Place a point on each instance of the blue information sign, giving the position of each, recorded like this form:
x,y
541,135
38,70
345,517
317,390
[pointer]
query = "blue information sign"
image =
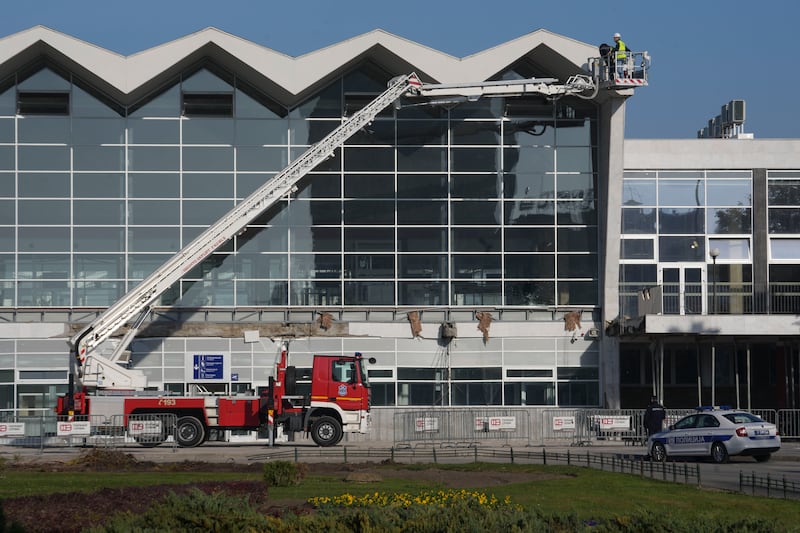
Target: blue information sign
x,y
208,366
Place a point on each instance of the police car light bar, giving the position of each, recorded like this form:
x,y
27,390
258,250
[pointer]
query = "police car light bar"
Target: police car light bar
x,y
713,408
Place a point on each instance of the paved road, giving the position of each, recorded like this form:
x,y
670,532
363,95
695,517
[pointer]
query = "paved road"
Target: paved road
x,y
785,464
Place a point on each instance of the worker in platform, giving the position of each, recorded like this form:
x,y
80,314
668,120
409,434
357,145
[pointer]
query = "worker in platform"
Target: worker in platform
x,y
621,55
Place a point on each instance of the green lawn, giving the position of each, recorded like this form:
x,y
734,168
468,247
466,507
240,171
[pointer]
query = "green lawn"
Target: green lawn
x,y
586,492
16,483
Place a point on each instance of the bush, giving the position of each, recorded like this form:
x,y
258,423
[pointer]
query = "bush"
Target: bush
x,y
198,512
284,473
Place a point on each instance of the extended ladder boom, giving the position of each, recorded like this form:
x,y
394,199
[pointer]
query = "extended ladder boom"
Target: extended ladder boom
x,y
236,220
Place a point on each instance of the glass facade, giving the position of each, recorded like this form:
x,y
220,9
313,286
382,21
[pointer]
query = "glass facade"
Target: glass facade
x,y
488,203
671,220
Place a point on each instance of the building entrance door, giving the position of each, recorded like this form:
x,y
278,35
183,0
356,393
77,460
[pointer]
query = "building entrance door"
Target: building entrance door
x,y
684,289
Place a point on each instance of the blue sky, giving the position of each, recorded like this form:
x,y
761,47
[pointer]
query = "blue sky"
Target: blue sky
x,y
705,52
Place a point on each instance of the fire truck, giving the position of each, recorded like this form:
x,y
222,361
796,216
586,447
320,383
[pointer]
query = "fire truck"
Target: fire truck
x,y
102,384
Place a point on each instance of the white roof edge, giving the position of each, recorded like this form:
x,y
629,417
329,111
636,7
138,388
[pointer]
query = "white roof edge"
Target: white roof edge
x,y
294,74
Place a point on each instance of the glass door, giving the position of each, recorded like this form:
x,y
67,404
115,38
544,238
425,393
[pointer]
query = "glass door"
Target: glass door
x,y
684,289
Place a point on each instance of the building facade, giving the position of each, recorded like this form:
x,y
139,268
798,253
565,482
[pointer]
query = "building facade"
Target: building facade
x,y
489,253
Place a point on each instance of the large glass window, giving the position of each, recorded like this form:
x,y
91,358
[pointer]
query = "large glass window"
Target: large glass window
x,y
490,202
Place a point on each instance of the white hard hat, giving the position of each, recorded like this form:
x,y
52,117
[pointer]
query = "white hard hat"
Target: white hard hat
x,y
617,35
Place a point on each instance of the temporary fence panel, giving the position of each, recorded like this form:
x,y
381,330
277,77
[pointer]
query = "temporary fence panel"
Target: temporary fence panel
x,y
560,426
788,422
461,426
148,430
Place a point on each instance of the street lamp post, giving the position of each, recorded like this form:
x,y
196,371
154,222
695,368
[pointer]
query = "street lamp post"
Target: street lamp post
x,y
714,253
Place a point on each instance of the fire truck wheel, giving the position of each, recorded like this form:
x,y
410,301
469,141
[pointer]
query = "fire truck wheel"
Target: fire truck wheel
x,y
326,431
189,432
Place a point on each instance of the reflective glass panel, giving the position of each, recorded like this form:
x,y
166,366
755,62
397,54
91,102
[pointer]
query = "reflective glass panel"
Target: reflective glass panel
x,y
689,248
638,221
44,212
43,239
369,240
421,186
153,212
143,131
109,158
368,293
475,213
33,129
48,185
638,192
529,240
98,131
730,220
530,266
315,293
534,212
208,131
729,192
681,192
43,157
103,185
529,186
98,239
98,212
422,240
422,293
477,266
681,221
483,240
637,249
422,266
532,293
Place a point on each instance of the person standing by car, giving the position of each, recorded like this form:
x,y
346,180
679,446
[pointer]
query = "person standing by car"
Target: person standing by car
x,y
654,417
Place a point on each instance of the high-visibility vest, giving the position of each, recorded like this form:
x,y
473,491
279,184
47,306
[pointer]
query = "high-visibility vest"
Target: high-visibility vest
x,y
621,51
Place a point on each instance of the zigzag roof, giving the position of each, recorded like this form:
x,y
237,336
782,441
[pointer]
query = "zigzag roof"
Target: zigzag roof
x,y
288,79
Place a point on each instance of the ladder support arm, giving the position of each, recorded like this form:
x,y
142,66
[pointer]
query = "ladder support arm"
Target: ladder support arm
x,y
232,223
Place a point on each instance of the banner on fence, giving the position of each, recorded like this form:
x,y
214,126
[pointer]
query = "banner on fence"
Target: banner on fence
x,y
561,423
612,423
12,429
144,427
426,424
495,423
66,429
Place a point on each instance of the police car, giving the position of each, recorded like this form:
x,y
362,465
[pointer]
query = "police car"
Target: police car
x,y
717,433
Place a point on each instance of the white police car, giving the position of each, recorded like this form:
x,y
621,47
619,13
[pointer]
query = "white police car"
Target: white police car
x,y
718,434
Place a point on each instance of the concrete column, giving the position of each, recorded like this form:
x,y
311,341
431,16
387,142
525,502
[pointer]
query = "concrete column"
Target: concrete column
x,y
612,137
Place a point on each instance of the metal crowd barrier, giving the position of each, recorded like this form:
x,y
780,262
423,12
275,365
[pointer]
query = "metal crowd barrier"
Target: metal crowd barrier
x,y
50,431
461,426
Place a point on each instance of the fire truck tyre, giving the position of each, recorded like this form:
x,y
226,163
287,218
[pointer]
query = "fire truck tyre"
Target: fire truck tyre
x,y
189,432
326,431
719,454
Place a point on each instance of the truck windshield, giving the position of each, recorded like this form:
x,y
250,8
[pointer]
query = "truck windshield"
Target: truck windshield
x,y
362,368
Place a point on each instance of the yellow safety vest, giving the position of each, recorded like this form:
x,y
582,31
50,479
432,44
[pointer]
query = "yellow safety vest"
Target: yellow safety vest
x,y
621,51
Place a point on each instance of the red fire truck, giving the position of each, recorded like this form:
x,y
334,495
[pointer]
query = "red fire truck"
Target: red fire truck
x,y
338,403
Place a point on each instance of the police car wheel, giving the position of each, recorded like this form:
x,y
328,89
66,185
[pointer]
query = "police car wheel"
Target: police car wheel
x,y
719,454
658,452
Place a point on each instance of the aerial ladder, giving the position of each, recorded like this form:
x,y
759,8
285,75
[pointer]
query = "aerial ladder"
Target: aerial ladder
x,y
100,371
